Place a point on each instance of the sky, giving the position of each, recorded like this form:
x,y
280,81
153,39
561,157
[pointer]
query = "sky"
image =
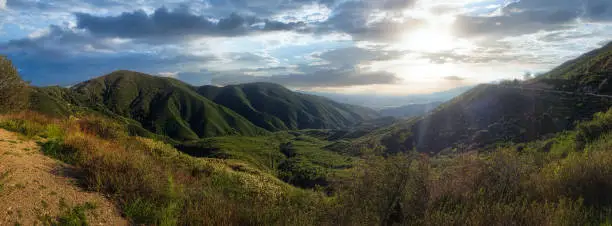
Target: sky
x,y
384,47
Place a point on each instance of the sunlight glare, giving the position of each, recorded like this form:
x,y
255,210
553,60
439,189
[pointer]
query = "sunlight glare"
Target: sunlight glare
x,y
435,36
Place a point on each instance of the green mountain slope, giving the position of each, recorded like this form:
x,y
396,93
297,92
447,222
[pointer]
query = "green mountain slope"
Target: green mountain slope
x,y
169,107
163,106
596,62
274,107
510,113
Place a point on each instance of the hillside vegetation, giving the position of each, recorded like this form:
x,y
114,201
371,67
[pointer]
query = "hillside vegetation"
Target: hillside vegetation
x,y
13,91
274,107
518,153
171,108
512,112
563,180
594,63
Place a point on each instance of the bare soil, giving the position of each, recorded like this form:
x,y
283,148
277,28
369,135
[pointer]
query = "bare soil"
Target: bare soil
x,y
34,187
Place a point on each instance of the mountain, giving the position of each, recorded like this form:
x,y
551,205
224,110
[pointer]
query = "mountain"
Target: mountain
x,y
411,110
275,107
372,100
594,63
169,107
509,113
161,105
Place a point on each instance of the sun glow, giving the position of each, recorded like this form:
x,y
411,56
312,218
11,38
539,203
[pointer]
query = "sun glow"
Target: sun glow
x,y
433,36
429,39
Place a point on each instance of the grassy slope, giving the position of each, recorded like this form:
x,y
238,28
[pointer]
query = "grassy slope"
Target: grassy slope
x,y
287,155
596,62
153,183
172,108
488,114
274,107
162,105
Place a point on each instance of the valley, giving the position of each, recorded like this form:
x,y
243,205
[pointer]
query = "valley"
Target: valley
x,y
164,152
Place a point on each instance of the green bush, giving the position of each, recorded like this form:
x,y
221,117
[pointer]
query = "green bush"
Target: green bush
x,y
592,130
102,127
25,127
75,216
14,92
302,173
57,149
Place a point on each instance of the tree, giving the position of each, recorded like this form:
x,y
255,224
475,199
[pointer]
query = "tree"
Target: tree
x,y
13,90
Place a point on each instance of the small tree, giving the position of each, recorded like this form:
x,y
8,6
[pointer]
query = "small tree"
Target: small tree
x,y
13,90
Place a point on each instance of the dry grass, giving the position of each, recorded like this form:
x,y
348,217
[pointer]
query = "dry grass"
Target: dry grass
x,y
153,183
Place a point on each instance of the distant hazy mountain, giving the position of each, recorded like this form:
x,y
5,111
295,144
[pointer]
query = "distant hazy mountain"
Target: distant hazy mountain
x,y
382,101
410,110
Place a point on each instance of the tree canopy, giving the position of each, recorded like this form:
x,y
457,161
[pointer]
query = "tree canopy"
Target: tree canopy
x,y
13,90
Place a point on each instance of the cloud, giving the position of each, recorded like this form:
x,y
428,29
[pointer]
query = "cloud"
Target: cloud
x,y
586,9
72,69
179,22
2,4
320,78
351,56
63,5
355,19
454,78
62,56
530,16
266,8
58,41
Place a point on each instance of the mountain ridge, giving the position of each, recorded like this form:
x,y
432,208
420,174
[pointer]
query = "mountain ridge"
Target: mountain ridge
x,y
513,112
281,108
172,108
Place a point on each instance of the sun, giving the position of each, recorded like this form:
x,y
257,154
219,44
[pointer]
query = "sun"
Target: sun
x,y
427,40
434,35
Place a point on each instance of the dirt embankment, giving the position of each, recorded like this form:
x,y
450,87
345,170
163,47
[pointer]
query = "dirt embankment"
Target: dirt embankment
x,y
35,188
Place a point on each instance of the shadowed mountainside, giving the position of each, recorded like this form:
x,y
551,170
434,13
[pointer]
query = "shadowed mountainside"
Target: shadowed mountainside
x,y
275,107
510,112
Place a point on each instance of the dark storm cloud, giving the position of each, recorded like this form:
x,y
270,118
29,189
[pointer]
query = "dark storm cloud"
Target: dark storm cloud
x,y
265,8
515,24
57,41
355,55
62,5
63,56
353,18
529,16
175,23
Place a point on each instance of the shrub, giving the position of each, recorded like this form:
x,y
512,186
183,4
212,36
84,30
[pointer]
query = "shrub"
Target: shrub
x,y
581,175
25,127
592,130
102,127
13,91
384,191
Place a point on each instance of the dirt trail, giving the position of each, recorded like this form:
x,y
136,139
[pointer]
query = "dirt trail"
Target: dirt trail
x,y
34,187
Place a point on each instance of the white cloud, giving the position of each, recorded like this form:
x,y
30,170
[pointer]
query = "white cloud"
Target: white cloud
x,y
169,74
426,35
